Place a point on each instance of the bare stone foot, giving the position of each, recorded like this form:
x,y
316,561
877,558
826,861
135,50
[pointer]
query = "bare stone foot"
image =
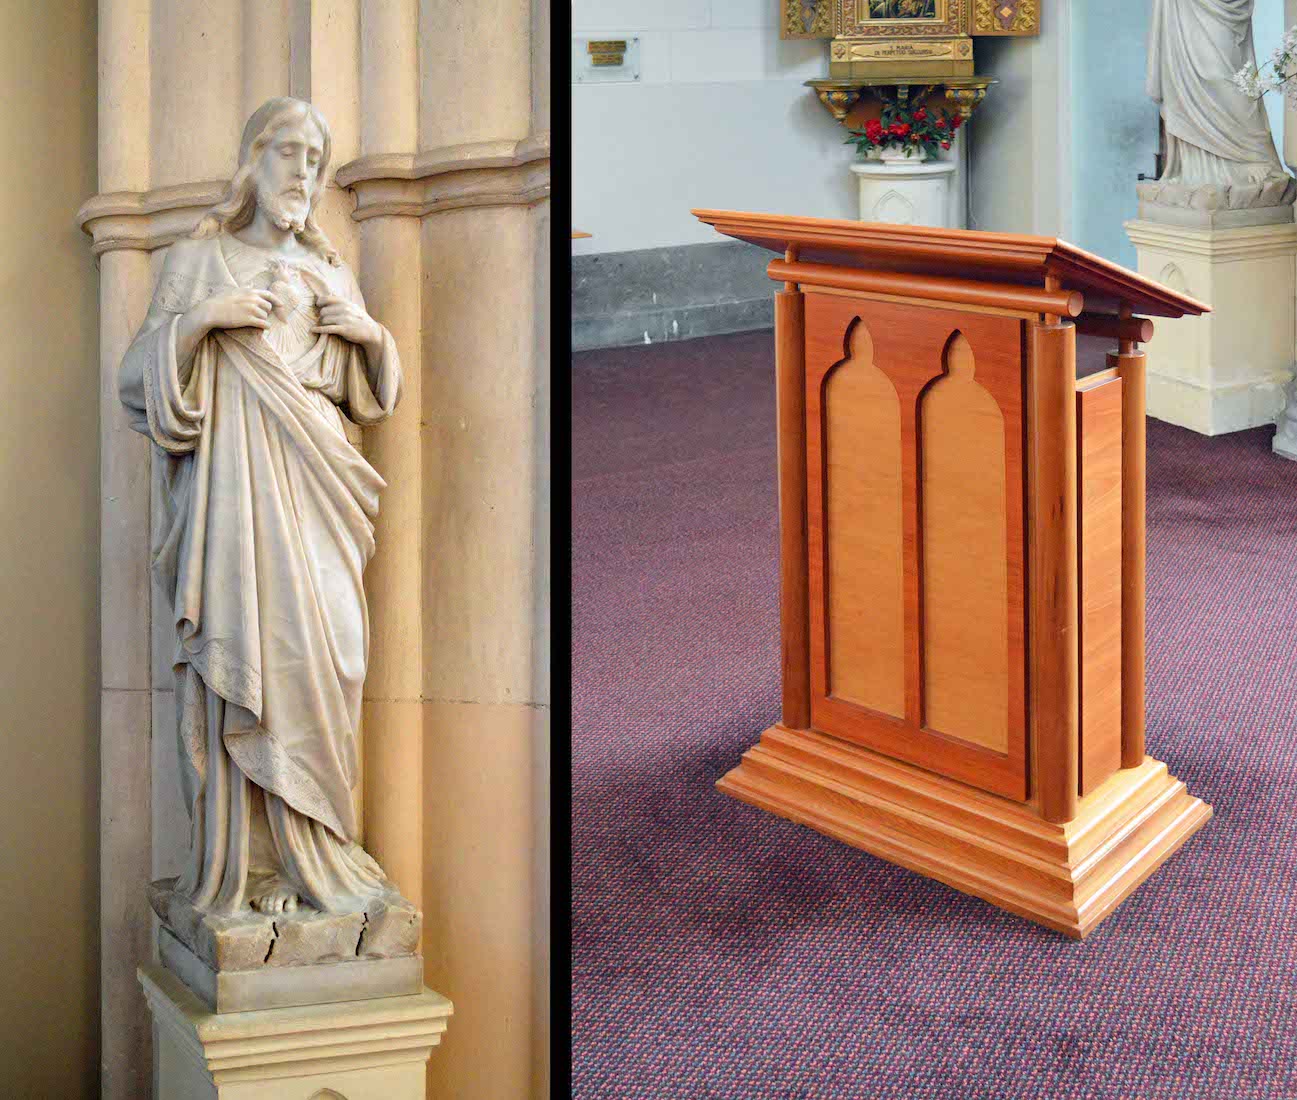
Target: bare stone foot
x,y
276,897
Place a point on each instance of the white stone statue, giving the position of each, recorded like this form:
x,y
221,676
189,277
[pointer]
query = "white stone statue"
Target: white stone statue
x,y
256,345
1219,152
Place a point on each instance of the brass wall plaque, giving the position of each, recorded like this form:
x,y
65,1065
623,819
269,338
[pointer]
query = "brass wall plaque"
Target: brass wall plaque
x,y
611,52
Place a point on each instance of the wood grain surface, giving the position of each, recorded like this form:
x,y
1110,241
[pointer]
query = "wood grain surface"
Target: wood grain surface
x,y
1099,535
908,346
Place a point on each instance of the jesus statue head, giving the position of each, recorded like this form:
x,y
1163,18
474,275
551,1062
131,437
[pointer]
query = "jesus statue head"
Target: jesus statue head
x,y
283,162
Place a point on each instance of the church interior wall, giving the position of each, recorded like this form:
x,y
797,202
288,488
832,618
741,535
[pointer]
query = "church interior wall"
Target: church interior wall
x,y
1055,150
49,478
1021,153
718,117
1115,134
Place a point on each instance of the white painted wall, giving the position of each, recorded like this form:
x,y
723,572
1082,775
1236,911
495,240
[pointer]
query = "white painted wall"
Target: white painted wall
x,y
719,118
1020,139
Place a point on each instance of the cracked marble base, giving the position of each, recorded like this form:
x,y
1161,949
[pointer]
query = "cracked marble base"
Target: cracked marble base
x,y
249,960
1232,206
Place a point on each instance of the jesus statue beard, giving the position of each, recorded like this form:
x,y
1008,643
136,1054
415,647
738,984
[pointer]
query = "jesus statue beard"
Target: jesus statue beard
x,y
285,213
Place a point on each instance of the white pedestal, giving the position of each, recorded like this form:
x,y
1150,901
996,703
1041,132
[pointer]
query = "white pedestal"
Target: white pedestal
x,y
1284,443
357,1050
1226,370
906,194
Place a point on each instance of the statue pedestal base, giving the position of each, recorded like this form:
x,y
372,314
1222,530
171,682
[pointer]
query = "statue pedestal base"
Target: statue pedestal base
x,y
1284,443
907,194
361,1050
1226,370
246,961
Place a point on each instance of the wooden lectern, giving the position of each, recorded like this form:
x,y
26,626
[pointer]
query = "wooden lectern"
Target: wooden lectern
x,y
962,562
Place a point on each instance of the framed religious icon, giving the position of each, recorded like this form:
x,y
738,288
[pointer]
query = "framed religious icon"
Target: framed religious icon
x,y
877,39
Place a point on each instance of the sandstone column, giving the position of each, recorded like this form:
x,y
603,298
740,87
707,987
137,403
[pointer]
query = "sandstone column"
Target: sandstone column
x,y
459,193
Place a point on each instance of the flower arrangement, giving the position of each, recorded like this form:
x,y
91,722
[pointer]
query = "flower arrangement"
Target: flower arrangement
x,y
908,131
1282,67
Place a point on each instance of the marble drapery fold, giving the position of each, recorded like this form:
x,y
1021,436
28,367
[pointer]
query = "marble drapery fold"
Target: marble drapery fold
x,y
268,528
1215,134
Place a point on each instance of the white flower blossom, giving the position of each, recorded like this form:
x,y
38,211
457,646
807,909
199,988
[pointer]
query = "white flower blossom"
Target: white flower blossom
x,y
1255,83
1247,79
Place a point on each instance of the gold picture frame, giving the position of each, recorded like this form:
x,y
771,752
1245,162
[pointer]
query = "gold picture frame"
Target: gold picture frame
x,y
912,21
863,19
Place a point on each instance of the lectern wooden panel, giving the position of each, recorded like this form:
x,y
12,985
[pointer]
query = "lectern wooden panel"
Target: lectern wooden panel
x,y
914,429
962,563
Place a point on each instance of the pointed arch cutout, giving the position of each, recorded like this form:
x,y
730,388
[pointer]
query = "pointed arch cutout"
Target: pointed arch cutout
x,y
864,544
964,577
894,208
1171,276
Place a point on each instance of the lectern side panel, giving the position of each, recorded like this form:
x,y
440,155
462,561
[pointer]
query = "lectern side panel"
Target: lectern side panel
x,y
861,418
868,578
965,555
1099,567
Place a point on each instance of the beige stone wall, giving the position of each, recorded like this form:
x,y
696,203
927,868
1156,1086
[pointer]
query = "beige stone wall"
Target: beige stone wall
x,y
49,489
440,202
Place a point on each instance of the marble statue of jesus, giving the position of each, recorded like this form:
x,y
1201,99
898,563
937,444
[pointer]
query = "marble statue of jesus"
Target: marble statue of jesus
x,y
256,345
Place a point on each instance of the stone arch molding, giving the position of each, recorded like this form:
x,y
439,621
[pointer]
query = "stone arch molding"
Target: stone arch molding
x,y
1171,276
895,208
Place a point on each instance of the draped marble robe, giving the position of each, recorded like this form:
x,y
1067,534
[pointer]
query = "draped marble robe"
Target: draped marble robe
x,y
1214,132
267,531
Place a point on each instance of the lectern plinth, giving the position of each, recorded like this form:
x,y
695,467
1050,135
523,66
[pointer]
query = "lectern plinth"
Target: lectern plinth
x,y
962,562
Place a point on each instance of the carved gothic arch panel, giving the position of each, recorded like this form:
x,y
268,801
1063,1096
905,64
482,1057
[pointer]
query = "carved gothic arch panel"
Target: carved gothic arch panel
x,y
863,526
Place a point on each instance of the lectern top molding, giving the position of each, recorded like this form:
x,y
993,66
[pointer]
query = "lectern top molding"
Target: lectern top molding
x,y
1001,257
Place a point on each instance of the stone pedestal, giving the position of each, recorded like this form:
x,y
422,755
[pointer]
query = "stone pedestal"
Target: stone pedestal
x,y
1226,370
1284,443
906,194
247,960
360,1050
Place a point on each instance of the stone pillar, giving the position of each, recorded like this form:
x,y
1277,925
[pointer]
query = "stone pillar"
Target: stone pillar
x,y
389,254
459,193
126,711
440,124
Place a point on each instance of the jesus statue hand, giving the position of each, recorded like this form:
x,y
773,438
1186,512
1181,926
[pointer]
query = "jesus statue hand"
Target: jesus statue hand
x,y
236,308
342,317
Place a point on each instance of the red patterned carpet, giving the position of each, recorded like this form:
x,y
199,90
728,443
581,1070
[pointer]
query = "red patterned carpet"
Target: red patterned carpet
x,y
720,952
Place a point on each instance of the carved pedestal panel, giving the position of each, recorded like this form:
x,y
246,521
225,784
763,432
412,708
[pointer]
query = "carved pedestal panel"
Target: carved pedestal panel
x,y
1226,370
907,194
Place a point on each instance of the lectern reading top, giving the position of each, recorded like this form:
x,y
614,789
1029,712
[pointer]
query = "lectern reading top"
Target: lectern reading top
x,y
962,562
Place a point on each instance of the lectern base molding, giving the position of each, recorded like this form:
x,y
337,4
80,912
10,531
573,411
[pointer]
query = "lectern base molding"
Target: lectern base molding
x,y
1066,877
